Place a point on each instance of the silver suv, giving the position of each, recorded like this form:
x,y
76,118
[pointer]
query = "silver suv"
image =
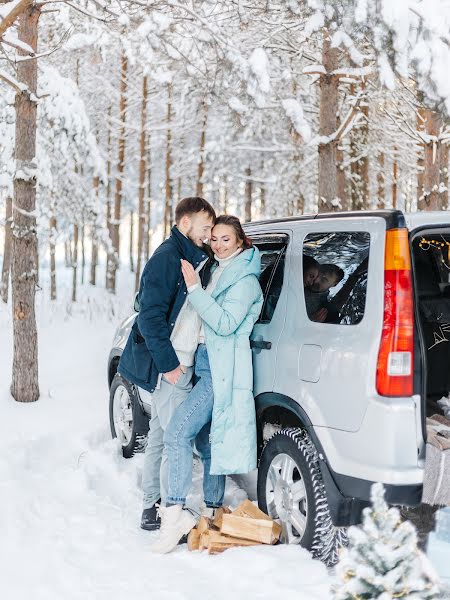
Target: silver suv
x,y
342,393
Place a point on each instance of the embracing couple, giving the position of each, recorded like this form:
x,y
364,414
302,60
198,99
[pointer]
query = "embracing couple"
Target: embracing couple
x,y
189,354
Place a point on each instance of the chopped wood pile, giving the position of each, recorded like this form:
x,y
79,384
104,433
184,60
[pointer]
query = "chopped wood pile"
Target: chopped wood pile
x,y
247,525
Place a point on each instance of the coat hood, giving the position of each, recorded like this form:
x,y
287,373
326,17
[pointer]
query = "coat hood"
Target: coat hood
x,y
248,262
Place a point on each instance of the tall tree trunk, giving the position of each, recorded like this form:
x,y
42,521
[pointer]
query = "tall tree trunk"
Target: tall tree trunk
x,y
201,164
420,119
262,200
363,203
168,204
444,175
66,254
248,195
94,238
109,251
83,252
225,192
142,171
340,175
381,194
53,225
75,262
432,197
25,385
94,257
131,241
6,267
327,127
148,212
394,179
120,171
68,246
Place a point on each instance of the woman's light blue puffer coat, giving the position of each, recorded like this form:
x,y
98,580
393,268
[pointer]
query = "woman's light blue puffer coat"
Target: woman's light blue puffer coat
x,y
229,315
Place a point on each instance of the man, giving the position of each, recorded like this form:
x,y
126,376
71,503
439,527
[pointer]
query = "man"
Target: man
x,y
316,296
159,354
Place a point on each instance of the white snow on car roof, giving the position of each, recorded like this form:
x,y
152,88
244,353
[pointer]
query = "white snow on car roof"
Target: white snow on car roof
x,y
418,219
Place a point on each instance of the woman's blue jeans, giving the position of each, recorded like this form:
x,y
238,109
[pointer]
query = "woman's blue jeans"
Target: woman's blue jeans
x,y
192,421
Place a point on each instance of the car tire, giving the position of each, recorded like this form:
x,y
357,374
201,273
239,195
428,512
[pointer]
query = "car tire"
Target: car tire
x,y
291,490
123,403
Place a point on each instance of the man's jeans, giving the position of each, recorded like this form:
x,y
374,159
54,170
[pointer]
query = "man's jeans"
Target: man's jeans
x,y
161,405
192,421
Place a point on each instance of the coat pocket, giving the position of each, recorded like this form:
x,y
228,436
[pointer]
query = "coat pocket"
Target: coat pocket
x,y
142,359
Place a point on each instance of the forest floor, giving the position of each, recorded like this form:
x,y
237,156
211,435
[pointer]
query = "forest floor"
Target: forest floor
x,y
70,504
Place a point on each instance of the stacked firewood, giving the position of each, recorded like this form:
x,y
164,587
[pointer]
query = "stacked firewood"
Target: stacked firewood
x,y
247,525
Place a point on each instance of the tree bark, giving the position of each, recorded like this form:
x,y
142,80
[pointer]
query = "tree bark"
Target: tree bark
x,y
432,195
119,178
109,251
168,204
131,241
75,262
53,225
21,7
148,215
83,253
142,170
394,179
444,175
363,192
25,384
6,267
381,194
340,175
201,164
327,127
248,195
421,118
94,239
225,192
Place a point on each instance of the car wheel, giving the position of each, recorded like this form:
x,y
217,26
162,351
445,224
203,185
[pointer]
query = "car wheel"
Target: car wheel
x,y
291,490
122,405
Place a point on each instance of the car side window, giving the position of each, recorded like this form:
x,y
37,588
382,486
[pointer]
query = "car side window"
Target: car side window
x,y
272,273
335,266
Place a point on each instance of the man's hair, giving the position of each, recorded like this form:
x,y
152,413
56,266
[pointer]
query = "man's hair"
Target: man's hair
x,y
330,269
191,206
309,263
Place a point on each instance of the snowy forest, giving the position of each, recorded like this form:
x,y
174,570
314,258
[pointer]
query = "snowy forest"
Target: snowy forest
x,y
267,109
111,112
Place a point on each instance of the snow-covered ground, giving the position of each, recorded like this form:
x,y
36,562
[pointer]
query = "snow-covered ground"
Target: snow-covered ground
x,y
70,504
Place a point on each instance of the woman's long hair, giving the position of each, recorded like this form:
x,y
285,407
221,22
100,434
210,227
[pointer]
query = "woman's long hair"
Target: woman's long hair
x,y
234,222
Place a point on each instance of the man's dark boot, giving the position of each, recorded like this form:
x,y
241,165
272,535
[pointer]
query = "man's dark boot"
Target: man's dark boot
x,y
150,520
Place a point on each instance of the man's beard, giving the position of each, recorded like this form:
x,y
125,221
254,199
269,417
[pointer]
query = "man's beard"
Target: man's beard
x,y
195,241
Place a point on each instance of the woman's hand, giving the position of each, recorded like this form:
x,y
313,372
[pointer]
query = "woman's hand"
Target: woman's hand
x,y
189,274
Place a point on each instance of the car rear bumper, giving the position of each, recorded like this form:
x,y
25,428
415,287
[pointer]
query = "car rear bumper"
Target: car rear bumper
x,y
348,496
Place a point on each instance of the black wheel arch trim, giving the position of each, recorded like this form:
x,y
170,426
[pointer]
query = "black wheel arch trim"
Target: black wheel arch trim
x,y
139,416
347,496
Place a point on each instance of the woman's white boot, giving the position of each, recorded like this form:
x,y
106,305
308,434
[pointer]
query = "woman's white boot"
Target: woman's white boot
x,y
175,522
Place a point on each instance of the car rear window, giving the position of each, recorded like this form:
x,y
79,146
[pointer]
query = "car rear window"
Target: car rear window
x,y
335,266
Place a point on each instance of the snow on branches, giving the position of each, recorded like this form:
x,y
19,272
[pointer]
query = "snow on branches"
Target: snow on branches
x,y
382,560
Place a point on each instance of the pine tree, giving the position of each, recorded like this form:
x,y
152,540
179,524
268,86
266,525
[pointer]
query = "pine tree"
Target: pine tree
x,y
382,560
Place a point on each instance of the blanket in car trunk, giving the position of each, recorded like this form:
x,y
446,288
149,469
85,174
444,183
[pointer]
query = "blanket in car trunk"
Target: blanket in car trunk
x,y
436,484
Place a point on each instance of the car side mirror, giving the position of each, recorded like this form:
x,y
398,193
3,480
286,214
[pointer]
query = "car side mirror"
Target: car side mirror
x,y
136,303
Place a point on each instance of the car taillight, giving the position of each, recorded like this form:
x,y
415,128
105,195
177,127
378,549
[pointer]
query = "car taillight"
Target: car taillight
x,y
396,355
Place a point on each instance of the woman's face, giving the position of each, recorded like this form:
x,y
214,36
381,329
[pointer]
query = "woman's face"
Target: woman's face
x,y
310,276
224,241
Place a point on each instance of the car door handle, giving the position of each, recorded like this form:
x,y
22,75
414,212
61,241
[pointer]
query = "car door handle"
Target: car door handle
x,y
260,344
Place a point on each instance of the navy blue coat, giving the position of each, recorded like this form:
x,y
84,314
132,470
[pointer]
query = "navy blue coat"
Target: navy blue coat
x,y
162,293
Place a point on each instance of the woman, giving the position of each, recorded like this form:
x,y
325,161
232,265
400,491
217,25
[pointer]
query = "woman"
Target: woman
x,y
219,413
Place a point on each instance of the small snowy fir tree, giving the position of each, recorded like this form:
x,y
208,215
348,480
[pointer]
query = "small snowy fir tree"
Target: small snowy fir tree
x,y
382,560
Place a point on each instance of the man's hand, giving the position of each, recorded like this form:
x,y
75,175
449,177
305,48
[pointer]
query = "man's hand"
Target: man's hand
x,y
173,376
320,315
